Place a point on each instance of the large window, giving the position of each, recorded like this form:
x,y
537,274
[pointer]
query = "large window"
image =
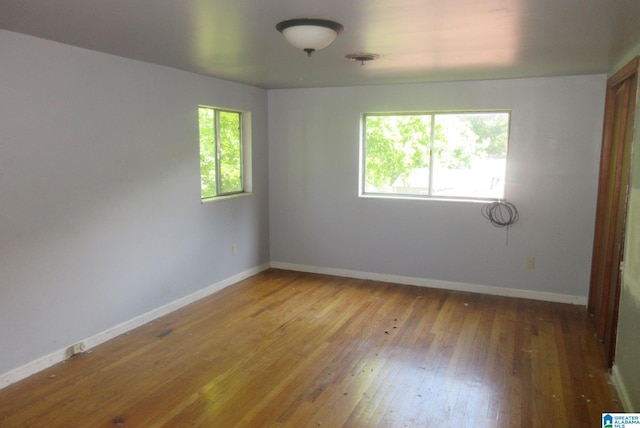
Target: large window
x,y
435,155
221,152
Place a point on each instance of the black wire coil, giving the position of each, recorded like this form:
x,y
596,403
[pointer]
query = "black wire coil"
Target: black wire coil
x,y
500,213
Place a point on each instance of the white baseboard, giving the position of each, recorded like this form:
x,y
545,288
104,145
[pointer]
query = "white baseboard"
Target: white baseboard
x,y
433,283
622,391
62,354
90,342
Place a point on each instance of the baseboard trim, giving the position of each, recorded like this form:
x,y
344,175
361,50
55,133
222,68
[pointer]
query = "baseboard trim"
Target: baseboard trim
x,y
621,389
62,354
433,283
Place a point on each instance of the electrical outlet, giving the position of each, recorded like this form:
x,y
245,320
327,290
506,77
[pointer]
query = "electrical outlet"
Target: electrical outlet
x,y
234,249
531,262
77,348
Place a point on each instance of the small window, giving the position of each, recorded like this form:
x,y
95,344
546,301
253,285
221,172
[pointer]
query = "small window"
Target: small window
x,y
435,155
221,152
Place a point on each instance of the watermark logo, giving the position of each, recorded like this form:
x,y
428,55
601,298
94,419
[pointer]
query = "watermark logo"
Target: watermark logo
x,y
620,420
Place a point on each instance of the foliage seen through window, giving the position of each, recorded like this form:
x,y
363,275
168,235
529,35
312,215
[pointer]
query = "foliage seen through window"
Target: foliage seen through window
x,y
442,155
220,152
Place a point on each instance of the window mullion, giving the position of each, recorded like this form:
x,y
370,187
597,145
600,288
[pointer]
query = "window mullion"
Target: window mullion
x,y
432,139
218,157
363,156
240,140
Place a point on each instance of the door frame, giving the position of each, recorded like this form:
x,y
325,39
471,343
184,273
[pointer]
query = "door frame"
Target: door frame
x,y
611,209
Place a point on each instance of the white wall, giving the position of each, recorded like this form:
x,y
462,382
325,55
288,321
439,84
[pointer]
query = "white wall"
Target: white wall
x,y
628,335
317,219
627,354
100,213
101,220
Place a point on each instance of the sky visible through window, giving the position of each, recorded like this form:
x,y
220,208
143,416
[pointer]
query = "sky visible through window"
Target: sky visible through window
x,y
439,155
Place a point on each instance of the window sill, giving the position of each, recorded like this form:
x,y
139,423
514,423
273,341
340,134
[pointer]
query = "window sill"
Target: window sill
x,y
225,197
427,198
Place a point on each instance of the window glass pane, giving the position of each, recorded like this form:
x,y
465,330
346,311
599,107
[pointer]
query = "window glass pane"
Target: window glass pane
x,y
207,152
449,155
470,155
230,152
221,146
397,153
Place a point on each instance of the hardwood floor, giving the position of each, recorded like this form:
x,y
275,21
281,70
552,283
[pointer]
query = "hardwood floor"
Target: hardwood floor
x,y
289,349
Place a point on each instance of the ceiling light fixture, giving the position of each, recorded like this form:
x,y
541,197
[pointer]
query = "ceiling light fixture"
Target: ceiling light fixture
x,y
310,35
361,57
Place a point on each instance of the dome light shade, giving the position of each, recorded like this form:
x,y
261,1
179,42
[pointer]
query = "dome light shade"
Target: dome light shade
x,y
310,34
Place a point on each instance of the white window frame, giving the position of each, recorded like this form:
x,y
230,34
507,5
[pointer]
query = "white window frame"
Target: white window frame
x,y
245,155
430,196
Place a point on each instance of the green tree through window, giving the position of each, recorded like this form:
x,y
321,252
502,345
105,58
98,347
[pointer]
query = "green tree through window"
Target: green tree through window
x,y
452,155
220,152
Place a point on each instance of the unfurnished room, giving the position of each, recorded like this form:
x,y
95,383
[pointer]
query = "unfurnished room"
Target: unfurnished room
x,y
297,213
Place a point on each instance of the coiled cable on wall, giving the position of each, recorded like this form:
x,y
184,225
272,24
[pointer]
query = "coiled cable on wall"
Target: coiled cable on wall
x,y
501,214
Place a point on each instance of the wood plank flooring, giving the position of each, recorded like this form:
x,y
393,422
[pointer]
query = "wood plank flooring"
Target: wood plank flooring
x,y
289,349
